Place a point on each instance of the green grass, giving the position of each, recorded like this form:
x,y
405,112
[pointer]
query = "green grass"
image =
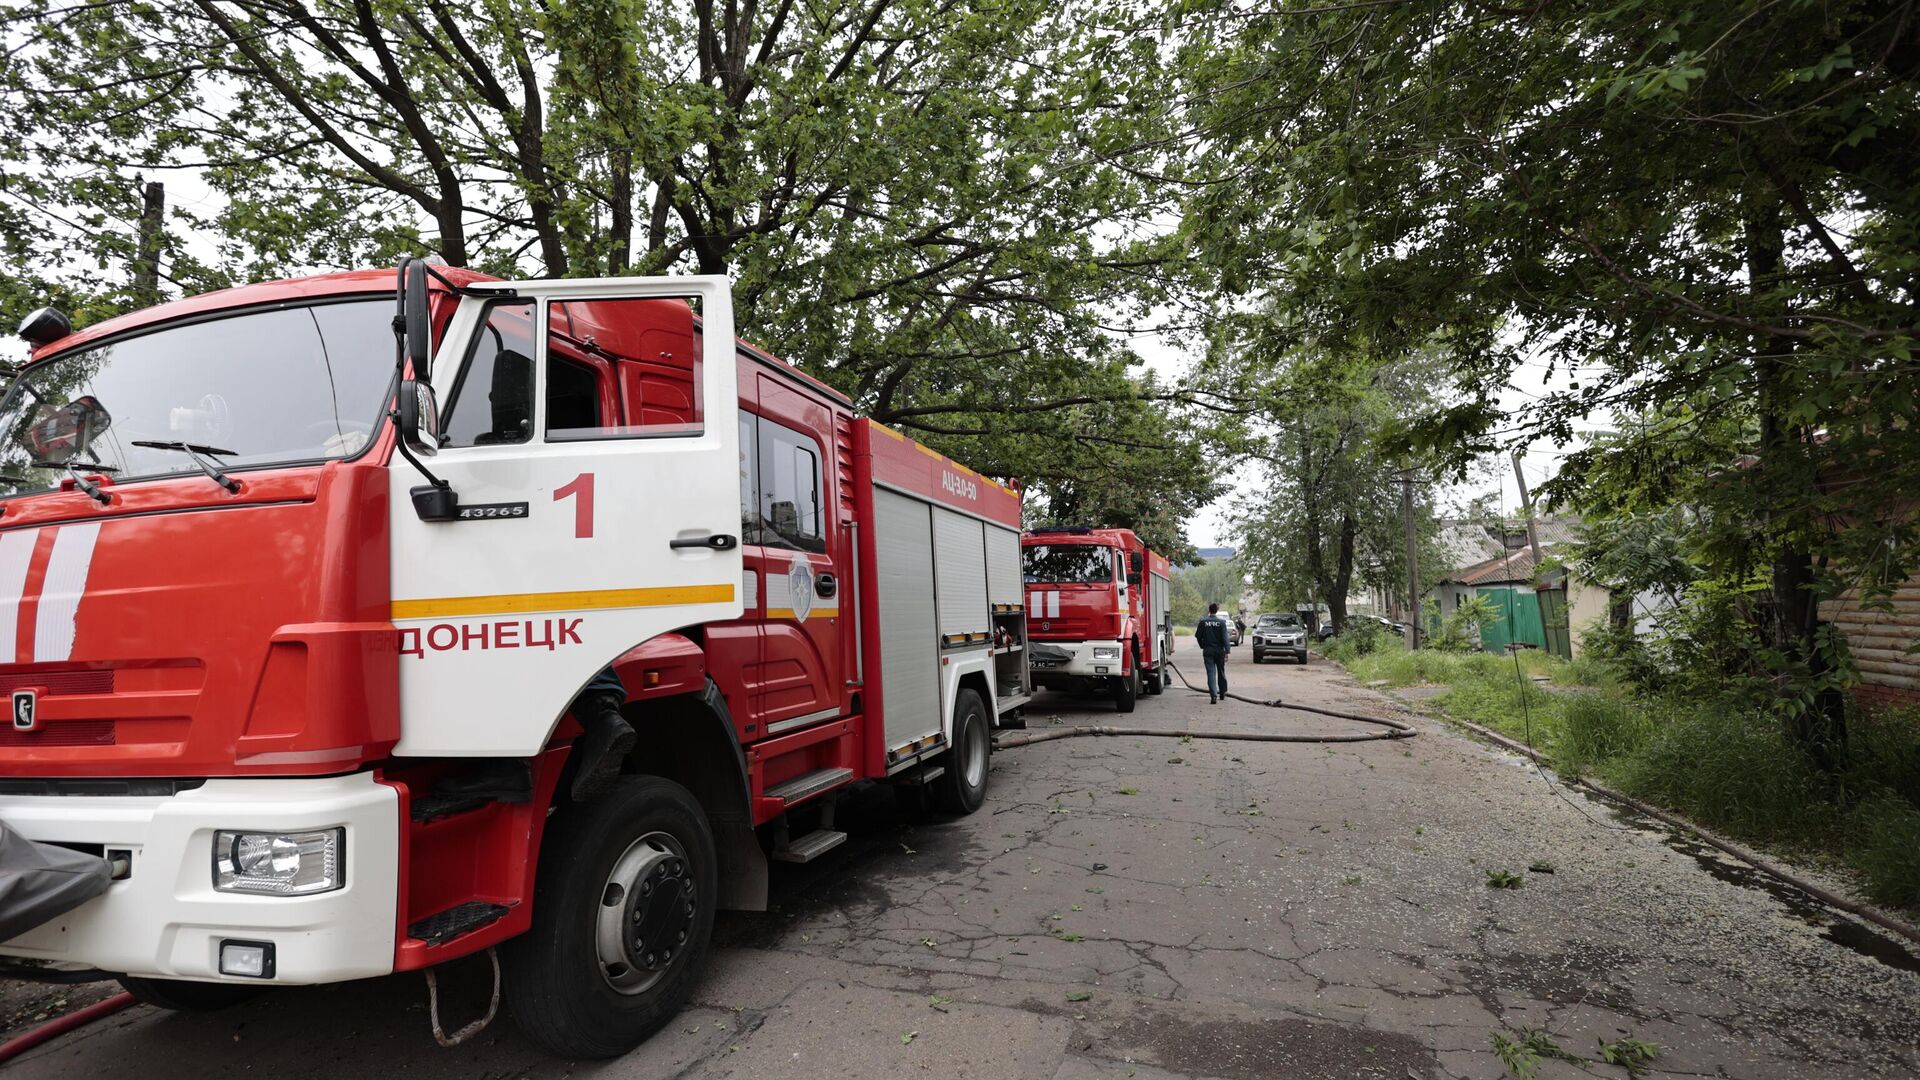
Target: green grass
x,y
1730,768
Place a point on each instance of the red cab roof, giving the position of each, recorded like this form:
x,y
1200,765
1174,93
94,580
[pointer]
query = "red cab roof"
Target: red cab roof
x,y
347,283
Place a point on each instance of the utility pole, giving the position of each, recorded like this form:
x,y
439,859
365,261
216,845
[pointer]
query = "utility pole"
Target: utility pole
x,y
1552,610
1413,559
146,262
1526,508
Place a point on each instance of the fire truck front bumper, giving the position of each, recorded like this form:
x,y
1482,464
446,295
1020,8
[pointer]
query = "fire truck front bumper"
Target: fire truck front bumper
x,y
1064,664
272,881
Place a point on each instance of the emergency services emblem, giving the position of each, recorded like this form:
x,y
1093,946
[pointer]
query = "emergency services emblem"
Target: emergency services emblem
x,y
25,718
800,581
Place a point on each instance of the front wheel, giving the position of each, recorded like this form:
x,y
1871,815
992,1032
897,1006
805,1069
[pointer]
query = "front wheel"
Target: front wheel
x,y
963,786
624,909
1126,691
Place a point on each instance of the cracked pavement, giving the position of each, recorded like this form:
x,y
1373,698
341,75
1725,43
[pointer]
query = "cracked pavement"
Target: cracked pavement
x,y
1152,907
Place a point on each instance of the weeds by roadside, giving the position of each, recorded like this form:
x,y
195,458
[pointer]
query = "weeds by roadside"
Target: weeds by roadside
x,y
1720,762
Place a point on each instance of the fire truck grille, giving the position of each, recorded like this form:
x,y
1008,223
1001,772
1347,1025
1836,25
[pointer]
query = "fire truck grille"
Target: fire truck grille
x,y
62,733
60,682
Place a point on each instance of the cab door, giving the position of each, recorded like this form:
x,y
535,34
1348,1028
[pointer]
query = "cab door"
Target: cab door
x,y
591,436
799,680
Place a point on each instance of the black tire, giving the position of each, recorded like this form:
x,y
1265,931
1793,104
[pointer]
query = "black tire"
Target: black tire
x,y
1126,691
1256,658
963,786
179,995
653,834
1151,684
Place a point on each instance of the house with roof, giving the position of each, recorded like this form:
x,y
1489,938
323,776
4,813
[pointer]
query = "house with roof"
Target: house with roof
x,y
1507,574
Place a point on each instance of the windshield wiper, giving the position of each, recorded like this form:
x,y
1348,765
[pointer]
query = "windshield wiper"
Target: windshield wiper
x,y
92,489
193,451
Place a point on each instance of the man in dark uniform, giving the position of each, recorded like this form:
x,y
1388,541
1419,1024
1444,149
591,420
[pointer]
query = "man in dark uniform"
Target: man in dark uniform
x,y
1211,636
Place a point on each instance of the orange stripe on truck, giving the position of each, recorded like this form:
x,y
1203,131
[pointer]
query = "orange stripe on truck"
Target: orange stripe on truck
x,y
586,600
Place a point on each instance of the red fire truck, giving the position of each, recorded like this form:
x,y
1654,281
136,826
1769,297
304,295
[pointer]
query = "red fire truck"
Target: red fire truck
x,y
295,650
1097,611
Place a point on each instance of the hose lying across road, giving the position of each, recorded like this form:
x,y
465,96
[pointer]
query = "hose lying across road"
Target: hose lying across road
x,y
60,1025
1395,729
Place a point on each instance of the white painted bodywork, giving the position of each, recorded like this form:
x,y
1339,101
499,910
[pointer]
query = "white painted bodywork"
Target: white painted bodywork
x,y
1082,661
166,920
467,701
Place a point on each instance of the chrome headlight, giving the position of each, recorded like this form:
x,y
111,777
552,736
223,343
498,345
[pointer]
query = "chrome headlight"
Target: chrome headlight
x,y
1106,652
279,864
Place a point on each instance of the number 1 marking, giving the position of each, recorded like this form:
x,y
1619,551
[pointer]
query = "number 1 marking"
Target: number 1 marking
x,y
582,486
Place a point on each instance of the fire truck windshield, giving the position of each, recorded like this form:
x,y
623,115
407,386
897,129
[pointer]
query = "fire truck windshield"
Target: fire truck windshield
x,y
280,386
1067,563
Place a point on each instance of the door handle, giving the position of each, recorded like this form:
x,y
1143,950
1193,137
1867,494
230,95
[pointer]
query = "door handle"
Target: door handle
x,y
716,541
825,586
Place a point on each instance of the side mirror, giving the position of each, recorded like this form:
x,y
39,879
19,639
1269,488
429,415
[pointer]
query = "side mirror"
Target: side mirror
x,y
419,417
1133,578
419,323
1134,565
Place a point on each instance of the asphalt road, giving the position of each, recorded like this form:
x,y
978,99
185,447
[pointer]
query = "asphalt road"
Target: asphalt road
x,y
1151,907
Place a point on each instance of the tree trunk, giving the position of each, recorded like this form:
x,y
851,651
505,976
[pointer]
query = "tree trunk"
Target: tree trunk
x,y
1310,512
453,233
1786,466
621,196
146,263
1342,574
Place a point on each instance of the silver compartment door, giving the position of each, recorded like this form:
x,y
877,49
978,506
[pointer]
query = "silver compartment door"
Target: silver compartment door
x,y
960,574
909,633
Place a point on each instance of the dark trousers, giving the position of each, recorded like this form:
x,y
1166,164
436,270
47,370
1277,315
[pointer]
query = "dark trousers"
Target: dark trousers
x,y
606,683
1216,673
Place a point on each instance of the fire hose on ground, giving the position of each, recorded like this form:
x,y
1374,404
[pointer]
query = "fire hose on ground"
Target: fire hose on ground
x,y
60,1025
1395,729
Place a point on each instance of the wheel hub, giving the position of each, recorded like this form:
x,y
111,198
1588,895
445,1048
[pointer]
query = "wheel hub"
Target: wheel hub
x,y
647,911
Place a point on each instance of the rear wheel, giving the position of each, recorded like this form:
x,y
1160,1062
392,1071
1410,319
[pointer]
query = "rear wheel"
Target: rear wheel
x,y
178,995
963,786
620,928
1126,691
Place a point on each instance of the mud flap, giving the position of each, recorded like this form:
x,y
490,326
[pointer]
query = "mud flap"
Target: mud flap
x,y
40,882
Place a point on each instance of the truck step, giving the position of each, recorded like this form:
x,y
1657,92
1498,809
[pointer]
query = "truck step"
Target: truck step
x,y
810,784
811,846
438,804
446,925
924,775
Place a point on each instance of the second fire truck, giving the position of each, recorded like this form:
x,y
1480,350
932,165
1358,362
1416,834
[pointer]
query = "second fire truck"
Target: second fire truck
x,y
1097,612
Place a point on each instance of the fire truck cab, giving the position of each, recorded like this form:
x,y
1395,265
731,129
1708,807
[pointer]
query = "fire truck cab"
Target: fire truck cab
x,y
294,618
1097,611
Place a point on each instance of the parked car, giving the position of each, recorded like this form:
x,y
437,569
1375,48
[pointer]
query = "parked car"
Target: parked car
x,y
1326,631
1281,634
1236,631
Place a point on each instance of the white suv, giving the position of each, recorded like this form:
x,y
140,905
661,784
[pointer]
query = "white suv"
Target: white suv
x,y
1277,635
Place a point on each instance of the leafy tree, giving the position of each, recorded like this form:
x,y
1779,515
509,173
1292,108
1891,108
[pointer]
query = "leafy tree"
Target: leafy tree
x,y
943,209
1215,581
1330,510
1699,201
